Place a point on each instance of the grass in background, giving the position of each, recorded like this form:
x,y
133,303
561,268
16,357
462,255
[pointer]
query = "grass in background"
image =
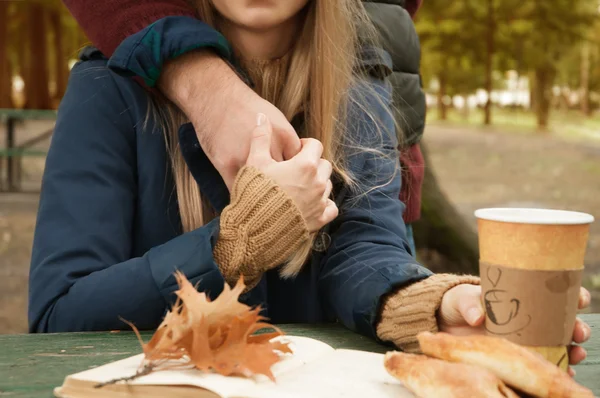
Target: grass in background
x,y
570,125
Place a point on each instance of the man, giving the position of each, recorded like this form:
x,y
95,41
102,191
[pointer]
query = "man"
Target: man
x,y
184,58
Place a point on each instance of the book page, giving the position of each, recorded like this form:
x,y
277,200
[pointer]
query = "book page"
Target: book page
x,y
345,373
305,350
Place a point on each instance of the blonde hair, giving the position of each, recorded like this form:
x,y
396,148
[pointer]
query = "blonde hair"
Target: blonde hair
x,y
319,74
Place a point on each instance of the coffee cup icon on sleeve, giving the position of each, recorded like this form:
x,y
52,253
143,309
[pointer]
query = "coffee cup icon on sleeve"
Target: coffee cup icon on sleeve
x,y
502,310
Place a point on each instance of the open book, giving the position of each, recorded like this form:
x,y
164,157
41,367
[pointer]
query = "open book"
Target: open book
x,y
314,370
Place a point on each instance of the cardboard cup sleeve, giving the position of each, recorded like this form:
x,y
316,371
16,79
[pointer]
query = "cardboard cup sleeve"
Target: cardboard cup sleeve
x,y
528,306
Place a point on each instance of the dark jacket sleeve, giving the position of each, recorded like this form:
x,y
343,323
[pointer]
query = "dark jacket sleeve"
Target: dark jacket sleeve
x,y
108,22
369,255
82,275
145,34
145,52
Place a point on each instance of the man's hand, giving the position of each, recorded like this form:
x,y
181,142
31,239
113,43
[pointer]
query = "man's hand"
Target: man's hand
x,y
223,110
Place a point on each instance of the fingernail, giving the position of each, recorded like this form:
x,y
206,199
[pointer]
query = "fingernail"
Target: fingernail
x,y
261,118
586,332
473,315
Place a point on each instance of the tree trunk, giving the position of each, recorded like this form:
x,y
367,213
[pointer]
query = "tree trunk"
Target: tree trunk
x,y
489,61
544,78
448,242
442,108
37,89
61,67
585,79
5,69
532,99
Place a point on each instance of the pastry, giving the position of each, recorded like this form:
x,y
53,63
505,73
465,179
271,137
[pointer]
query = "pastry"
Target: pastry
x,y
429,377
517,366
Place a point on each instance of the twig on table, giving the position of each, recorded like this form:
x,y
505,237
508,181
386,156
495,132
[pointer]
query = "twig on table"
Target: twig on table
x,y
147,369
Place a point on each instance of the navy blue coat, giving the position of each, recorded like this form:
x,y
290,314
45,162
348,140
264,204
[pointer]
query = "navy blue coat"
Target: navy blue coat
x,y
108,236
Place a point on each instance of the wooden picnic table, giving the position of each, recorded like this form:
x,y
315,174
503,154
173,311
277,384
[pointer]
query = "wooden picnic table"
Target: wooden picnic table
x,y
32,365
13,152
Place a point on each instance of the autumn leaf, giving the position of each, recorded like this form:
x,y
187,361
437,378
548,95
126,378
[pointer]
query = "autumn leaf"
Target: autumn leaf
x,y
214,336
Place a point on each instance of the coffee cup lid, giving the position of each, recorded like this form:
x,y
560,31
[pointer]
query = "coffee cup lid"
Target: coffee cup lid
x,y
534,216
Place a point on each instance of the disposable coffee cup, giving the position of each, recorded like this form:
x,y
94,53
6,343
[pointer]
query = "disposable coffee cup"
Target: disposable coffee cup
x,y
531,267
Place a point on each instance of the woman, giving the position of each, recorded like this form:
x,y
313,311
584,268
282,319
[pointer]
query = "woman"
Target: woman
x,y
175,31
127,199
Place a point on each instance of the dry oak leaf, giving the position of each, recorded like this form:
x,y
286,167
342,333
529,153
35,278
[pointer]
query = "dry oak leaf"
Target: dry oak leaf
x,y
216,336
429,377
517,366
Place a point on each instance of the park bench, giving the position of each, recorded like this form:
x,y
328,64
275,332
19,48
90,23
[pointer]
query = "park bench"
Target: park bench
x,y
12,154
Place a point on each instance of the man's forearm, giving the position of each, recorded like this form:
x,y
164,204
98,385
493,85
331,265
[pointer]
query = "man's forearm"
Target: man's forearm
x,y
192,80
124,18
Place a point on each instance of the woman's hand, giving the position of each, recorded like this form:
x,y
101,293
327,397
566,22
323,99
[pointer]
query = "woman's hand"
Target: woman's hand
x,y
305,177
461,313
222,109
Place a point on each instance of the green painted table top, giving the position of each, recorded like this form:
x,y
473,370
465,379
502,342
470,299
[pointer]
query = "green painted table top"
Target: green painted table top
x,y
32,365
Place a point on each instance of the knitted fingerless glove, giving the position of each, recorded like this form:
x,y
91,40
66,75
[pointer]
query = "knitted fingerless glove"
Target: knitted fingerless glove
x,y
413,309
260,229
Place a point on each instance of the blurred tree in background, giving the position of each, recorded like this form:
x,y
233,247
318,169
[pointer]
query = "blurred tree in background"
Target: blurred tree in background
x,y
38,39
5,66
469,47
470,44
